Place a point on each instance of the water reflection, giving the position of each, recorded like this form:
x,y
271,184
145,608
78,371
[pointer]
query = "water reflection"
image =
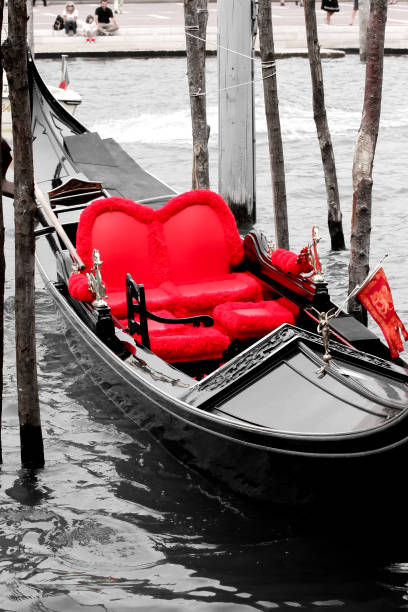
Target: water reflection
x,y
27,489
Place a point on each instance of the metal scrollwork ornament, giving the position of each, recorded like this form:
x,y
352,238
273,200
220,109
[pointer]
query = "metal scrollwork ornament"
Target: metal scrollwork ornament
x,y
323,328
95,283
314,256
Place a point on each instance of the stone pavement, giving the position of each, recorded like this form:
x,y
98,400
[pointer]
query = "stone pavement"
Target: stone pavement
x,y
157,29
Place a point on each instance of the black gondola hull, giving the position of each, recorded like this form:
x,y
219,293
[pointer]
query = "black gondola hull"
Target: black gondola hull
x,y
253,467
336,443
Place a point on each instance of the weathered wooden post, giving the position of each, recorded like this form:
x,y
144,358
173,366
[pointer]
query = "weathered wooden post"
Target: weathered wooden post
x,y
364,153
236,131
267,49
15,62
195,23
30,26
363,19
2,256
323,133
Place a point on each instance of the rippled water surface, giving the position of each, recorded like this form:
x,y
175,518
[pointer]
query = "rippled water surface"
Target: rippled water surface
x,y
113,522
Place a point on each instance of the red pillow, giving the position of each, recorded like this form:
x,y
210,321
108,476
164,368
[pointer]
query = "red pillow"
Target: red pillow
x,y
290,262
78,287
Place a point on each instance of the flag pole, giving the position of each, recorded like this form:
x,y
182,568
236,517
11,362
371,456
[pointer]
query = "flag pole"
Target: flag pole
x,y
358,288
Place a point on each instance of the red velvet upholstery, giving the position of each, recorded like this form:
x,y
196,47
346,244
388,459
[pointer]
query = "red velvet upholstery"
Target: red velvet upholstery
x,y
183,253
244,320
203,296
155,300
289,305
121,230
178,342
78,287
290,262
210,242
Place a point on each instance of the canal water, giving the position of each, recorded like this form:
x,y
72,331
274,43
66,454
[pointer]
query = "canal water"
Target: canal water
x,y
115,523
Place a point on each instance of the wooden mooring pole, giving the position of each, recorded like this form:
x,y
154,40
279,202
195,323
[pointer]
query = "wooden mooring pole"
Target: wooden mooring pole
x,y
30,26
15,63
270,87
236,123
2,256
195,20
359,264
363,19
335,219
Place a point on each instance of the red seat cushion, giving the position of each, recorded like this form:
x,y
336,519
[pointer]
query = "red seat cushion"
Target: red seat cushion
x,y
190,344
203,296
244,320
179,342
289,305
155,300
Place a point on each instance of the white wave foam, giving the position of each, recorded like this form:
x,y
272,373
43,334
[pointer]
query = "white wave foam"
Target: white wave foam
x,y
296,124
174,127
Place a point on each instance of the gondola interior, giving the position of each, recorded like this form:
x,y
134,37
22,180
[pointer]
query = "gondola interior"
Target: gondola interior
x,y
199,303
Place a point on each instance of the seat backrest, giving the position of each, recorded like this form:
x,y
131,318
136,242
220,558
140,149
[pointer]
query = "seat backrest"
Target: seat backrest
x,y
119,229
194,236
201,237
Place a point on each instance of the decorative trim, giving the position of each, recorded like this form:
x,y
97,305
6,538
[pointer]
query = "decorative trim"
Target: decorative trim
x,y
249,359
262,350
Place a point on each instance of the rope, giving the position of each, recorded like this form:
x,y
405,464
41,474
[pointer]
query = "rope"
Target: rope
x,y
219,46
204,93
264,65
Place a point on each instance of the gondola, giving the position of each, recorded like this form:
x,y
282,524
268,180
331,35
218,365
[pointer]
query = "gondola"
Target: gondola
x,y
204,338
69,98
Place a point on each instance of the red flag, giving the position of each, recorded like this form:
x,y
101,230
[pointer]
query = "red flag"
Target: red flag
x,y
64,74
376,297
